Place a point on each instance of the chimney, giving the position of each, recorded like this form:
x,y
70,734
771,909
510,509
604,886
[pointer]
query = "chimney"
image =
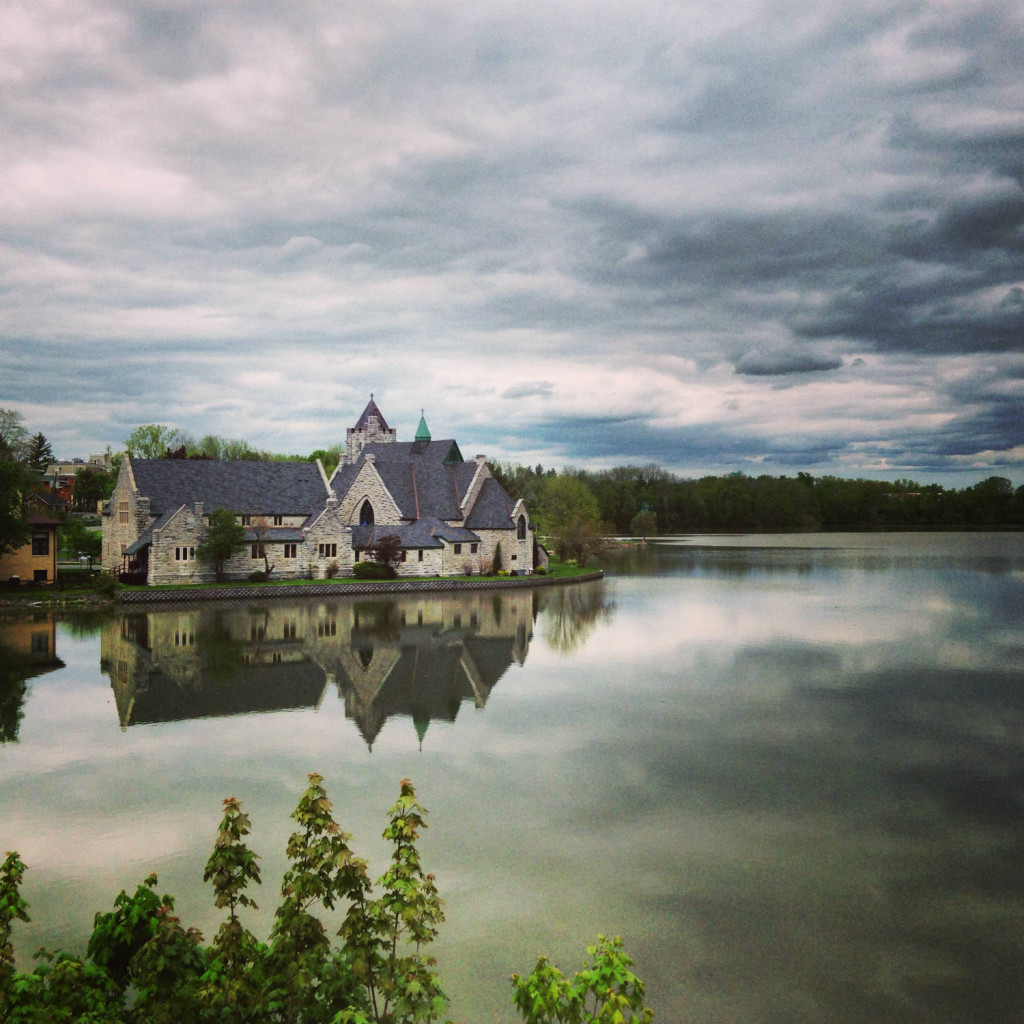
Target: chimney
x,y
481,459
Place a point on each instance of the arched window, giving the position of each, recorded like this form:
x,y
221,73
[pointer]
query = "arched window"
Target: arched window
x,y
366,514
521,528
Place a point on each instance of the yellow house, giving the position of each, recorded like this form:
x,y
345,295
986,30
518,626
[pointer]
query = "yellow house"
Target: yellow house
x,y
36,560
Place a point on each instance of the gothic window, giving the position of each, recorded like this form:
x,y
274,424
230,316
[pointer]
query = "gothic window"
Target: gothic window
x,y
521,528
366,514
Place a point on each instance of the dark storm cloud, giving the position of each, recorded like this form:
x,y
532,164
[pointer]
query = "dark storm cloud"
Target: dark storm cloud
x,y
789,232
757,364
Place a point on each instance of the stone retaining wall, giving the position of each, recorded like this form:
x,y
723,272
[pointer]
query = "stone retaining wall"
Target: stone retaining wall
x,y
329,589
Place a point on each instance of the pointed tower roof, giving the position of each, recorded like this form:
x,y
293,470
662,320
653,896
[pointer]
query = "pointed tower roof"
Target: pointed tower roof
x,y
422,431
371,410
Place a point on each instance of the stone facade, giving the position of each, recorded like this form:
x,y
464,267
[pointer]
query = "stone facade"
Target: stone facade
x,y
452,517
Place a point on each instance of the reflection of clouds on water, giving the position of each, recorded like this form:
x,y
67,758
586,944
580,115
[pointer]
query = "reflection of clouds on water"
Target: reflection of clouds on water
x,y
797,795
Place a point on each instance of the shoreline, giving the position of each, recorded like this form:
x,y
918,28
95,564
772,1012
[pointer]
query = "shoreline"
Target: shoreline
x,y
339,589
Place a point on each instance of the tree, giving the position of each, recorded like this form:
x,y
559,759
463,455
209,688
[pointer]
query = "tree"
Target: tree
x,y
14,482
224,537
153,440
91,487
261,531
141,965
644,524
77,539
607,991
330,457
38,453
569,515
13,435
387,551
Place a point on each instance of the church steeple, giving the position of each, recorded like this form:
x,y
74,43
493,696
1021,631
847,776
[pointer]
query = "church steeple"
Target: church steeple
x,y
422,431
370,428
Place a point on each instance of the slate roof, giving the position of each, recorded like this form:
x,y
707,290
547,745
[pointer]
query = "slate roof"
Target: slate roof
x,y
421,476
244,487
492,509
371,410
423,533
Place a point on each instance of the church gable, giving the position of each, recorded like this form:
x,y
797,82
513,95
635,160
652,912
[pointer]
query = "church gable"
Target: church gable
x,y
367,497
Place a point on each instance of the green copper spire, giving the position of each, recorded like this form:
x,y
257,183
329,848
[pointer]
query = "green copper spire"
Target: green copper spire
x,y
422,431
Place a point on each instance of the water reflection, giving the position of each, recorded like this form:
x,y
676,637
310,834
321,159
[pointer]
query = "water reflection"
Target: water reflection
x,y
421,658
572,614
28,648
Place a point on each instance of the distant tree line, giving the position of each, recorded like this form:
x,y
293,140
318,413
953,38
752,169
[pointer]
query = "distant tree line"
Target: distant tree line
x,y
573,509
646,500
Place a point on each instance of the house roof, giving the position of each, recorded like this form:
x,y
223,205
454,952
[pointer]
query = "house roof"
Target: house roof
x,y
492,509
244,487
423,533
426,478
40,519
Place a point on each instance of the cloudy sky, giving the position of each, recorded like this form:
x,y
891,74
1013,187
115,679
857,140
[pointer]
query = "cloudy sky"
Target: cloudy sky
x,y
768,236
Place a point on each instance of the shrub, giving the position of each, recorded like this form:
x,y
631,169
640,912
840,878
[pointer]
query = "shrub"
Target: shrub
x,y
540,571
258,576
371,571
332,570
105,585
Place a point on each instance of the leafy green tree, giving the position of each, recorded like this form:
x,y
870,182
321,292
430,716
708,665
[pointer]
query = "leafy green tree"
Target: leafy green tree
x,y
91,487
154,440
606,992
75,539
225,536
644,524
569,514
143,967
14,532
330,457
13,435
230,989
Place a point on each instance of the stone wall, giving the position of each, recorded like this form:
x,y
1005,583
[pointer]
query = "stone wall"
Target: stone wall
x,y
329,589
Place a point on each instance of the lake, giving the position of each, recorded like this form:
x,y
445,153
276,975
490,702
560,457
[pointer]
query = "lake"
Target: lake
x,y
788,770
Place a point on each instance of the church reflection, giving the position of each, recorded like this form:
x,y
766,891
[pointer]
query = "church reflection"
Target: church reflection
x,y
420,657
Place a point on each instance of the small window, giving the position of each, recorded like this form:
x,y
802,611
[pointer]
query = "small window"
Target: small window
x,y
290,550
278,520
458,549
419,555
258,551
521,528
246,520
41,543
327,550
473,548
122,511
366,514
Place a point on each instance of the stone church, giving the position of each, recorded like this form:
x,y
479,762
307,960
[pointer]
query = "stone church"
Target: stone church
x,y
452,517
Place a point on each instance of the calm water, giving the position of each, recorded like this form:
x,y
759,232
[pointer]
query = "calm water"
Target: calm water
x,y
787,770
